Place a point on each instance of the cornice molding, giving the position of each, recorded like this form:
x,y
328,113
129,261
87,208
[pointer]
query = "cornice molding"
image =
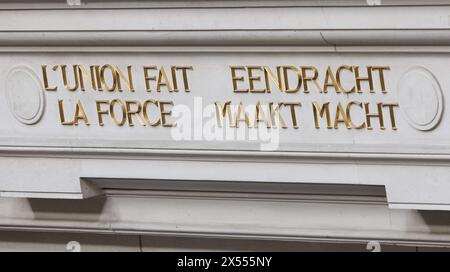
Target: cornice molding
x,y
378,158
226,26
92,4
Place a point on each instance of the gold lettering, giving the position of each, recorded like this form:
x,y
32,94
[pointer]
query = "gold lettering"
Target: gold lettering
x,y
380,70
275,112
101,112
45,78
163,76
75,77
252,79
184,70
340,117
391,107
338,78
145,112
349,118
235,79
129,81
97,75
374,115
164,113
131,112
242,115
293,115
80,114
321,110
312,78
260,116
330,77
112,112
103,79
269,75
286,79
222,111
83,73
61,114
147,77
359,78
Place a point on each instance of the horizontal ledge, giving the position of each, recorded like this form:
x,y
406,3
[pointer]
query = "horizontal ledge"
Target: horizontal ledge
x,y
391,49
419,206
433,37
220,155
329,236
235,189
51,195
217,19
116,4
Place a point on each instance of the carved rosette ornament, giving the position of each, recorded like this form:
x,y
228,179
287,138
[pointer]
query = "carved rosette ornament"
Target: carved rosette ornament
x,y
24,95
421,99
